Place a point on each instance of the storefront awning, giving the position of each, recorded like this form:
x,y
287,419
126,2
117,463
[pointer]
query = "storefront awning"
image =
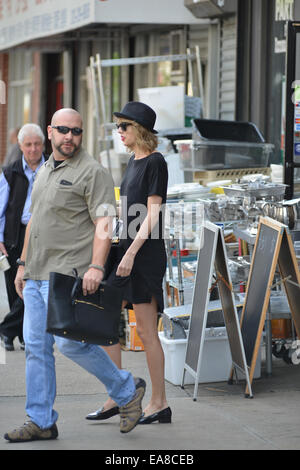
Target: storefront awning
x,y
24,20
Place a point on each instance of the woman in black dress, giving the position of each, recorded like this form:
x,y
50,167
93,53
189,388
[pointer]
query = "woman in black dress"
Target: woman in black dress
x,y
141,262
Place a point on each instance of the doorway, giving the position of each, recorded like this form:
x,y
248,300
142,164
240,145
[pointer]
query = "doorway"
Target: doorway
x,y
54,89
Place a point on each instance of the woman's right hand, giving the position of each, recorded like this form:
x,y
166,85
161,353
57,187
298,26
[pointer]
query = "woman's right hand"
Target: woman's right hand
x,y
3,249
19,281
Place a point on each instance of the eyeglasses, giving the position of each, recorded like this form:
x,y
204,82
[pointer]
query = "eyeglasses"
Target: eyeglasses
x,y
123,125
65,130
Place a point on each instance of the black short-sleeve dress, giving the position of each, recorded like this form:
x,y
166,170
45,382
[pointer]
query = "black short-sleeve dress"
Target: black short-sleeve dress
x,y
143,178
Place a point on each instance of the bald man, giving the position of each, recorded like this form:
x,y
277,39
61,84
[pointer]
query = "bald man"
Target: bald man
x,y
63,233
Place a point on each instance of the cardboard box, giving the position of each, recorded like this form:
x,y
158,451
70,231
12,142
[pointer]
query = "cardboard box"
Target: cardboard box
x,y
133,341
281,328
131,317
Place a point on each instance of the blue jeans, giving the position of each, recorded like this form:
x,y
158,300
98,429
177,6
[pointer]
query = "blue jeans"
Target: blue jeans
x,y
40,362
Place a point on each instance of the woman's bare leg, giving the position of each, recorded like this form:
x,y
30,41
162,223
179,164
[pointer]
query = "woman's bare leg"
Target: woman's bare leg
x,y
114,353
146,320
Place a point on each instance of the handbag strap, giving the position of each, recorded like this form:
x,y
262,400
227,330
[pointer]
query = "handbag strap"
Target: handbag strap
x,y
76,286
75,272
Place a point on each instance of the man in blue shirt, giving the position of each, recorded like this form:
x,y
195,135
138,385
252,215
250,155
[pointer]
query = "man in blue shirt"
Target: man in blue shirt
x,y
16,183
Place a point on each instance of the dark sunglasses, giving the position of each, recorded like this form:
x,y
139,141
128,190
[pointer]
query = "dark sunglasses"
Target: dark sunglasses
x,y
123,125
66,130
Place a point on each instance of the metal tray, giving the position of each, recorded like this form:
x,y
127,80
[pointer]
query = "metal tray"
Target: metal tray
x,y
267,190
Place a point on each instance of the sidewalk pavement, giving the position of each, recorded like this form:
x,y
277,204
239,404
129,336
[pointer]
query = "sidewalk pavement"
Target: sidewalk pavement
x,y
220,419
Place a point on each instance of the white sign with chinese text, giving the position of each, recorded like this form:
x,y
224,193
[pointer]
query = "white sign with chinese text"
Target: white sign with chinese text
x,y
280,46
23,20
284,10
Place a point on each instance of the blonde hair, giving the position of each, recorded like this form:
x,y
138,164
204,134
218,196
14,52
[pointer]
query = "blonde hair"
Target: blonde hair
x,y
145,139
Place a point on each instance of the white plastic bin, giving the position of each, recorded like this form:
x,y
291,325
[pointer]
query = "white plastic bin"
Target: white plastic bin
x,y
216,358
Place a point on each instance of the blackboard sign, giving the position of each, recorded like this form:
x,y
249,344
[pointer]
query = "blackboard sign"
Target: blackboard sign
x,y
212,258
260,279
228,306
201,297
288,267
273,246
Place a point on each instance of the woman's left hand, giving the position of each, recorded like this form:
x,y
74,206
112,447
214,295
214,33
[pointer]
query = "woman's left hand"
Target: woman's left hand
x,y
125,266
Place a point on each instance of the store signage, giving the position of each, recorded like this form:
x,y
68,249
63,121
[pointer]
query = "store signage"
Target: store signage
x,y
296,94
23,20
296,101
284,10
280,46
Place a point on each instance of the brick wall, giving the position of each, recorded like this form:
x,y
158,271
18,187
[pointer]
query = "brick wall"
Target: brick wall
x,y
3,106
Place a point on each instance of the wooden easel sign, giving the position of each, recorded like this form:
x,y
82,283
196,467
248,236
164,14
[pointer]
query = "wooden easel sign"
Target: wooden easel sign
x,y
213,257
273,245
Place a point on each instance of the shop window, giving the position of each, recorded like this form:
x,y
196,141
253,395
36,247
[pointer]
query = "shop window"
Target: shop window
x,y
20,87
162,73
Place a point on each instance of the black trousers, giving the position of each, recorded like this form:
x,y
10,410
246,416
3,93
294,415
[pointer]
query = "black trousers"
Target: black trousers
x,y
12,325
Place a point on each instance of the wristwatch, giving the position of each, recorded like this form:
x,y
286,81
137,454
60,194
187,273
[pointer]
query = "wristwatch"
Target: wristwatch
x,y
20,262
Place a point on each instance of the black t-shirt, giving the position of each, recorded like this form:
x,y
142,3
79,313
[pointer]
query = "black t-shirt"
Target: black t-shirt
x,y
143,178
57,162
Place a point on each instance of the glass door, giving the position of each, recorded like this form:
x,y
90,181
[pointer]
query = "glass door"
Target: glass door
x,y
292,124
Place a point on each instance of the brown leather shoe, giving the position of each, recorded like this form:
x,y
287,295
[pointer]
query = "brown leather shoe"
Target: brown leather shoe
x,y
132,411
31,432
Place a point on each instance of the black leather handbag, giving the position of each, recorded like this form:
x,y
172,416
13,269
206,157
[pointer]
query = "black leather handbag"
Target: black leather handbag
x,y
92,318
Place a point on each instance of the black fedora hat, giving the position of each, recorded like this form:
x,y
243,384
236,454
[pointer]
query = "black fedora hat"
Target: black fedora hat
x,y
140,113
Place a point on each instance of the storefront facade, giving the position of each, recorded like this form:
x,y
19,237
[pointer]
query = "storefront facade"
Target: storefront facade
x,y
45,50
262,66
259,92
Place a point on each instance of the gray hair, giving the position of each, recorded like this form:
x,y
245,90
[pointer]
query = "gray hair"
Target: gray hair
x,y
30,129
